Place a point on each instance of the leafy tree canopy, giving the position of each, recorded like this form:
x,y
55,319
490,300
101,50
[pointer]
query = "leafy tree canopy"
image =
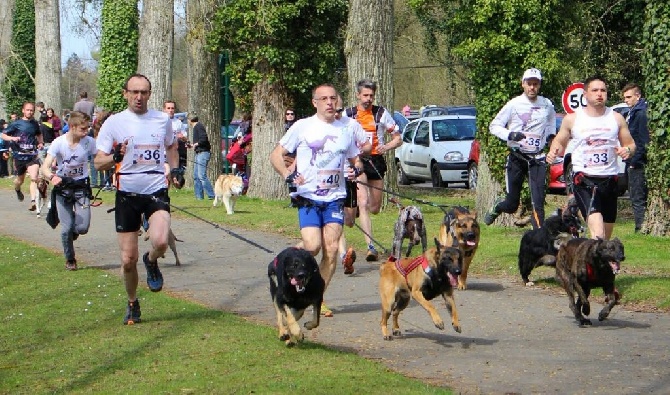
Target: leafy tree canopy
x,y
19,84
297,42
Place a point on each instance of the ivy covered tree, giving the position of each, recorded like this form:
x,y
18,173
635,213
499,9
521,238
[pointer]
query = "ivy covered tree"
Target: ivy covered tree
x,y
19,83
497,40
118,51
279,52
656,61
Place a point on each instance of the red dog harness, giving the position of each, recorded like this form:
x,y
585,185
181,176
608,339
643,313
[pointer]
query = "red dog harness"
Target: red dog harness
x,y
420,261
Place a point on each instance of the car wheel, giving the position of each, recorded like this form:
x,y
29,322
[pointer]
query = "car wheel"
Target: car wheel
x,y
435,176
402,176
472,176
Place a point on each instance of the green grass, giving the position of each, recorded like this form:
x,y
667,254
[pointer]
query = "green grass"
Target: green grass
x,y
63,333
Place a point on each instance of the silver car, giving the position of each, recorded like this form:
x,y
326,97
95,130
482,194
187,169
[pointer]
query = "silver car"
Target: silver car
x,y
436,149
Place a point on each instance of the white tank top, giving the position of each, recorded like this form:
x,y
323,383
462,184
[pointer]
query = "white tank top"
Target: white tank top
x,y
596,141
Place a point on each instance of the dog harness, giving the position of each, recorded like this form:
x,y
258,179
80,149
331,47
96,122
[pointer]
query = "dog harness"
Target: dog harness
x,y
420,261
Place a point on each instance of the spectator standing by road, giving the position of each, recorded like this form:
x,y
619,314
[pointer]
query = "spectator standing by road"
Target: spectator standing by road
x,y
637,124
202,148
55,122
84,105
376,121
25,141
4,151
289,118
525,123
601,134
179,129
137,142
72,189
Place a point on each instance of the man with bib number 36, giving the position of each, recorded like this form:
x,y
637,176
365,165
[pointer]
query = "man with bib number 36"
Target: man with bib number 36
x,y
133,142
525,123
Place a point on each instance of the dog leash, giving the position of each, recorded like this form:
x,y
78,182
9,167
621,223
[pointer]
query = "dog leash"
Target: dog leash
x,y
425,202
384,250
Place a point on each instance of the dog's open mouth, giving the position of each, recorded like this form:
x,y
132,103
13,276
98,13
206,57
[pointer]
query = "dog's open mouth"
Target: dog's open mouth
x,y
615,266
453,280
470,243
299,284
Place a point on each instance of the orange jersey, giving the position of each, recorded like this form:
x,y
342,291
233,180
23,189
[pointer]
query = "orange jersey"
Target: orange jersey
x,y
375,125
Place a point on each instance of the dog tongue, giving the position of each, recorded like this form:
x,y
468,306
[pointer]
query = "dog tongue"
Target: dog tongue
x,y
470,243
452,280
294,281
615,266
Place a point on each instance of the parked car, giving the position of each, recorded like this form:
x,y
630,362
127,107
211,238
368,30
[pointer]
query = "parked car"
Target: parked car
x,y
436,149
432,111
561,174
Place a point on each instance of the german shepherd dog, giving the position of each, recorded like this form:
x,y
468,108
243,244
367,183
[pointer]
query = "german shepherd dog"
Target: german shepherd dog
x,y
539,246
295,284
461,225
408,226
583,264
430,275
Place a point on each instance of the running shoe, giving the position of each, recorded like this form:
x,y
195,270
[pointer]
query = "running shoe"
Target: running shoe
x,y
133,313
33,206
325,311
71,265
492,214
154,276
348,261
372,255
19,195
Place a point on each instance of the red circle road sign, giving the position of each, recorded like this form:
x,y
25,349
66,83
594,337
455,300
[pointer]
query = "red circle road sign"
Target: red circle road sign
x,y
573,97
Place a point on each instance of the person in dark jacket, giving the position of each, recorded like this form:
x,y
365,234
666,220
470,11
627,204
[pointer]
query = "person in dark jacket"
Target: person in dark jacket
x,y
202,153
637,123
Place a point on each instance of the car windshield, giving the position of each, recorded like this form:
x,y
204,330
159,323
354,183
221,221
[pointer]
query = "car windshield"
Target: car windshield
x,y
462,111
454,129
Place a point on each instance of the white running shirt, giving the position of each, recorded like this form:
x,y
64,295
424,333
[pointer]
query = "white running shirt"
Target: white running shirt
x,y
322,149
142,168
596,141
72,162
536,120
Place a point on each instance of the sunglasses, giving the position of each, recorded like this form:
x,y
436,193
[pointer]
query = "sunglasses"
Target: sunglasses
x,y
339,110
290,113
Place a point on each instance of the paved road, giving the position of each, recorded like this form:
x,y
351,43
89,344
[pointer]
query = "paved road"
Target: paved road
x,y
514,339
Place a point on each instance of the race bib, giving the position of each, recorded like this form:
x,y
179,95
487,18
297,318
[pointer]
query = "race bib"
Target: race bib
x,y
74,171
147,154
598,157
328,179
532,142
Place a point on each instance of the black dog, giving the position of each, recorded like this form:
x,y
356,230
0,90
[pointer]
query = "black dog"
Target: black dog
x,y
539,246
295,284
583,264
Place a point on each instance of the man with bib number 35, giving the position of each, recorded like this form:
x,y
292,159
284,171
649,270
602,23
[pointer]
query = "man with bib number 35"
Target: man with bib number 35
x,y
525,123
133,142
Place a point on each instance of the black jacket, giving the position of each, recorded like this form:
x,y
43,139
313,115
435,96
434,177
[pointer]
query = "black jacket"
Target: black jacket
x,y
637,123
200,137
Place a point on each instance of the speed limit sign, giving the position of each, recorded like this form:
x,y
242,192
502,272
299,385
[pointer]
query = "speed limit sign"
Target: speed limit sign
x,y
573,97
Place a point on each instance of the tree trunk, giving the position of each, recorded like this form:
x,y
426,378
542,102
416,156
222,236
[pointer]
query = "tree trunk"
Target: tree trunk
x,y
47,53
270,100
6,15
488,191
368,48
203,84
155,48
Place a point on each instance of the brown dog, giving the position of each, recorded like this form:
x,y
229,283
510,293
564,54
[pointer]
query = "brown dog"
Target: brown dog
x,y
408,226
461,225
430,275
583,264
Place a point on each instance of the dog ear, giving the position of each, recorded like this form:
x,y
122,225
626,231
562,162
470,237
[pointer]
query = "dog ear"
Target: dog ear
x,y
437,243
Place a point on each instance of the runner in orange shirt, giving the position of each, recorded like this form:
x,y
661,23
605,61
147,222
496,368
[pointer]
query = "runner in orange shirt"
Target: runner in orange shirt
x,y
376,121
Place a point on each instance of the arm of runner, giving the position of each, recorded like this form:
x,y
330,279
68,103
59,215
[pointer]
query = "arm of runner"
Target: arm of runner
x,y
498,126
561,140
627,148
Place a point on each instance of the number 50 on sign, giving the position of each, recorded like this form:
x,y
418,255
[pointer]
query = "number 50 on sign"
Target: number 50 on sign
x,y
573,97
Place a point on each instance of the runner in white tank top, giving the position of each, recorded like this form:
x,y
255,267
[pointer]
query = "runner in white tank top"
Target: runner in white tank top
x,y
601,135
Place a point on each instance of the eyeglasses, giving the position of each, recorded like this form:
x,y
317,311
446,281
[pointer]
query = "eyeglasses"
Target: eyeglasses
x,y
326,98
289,113
136,92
